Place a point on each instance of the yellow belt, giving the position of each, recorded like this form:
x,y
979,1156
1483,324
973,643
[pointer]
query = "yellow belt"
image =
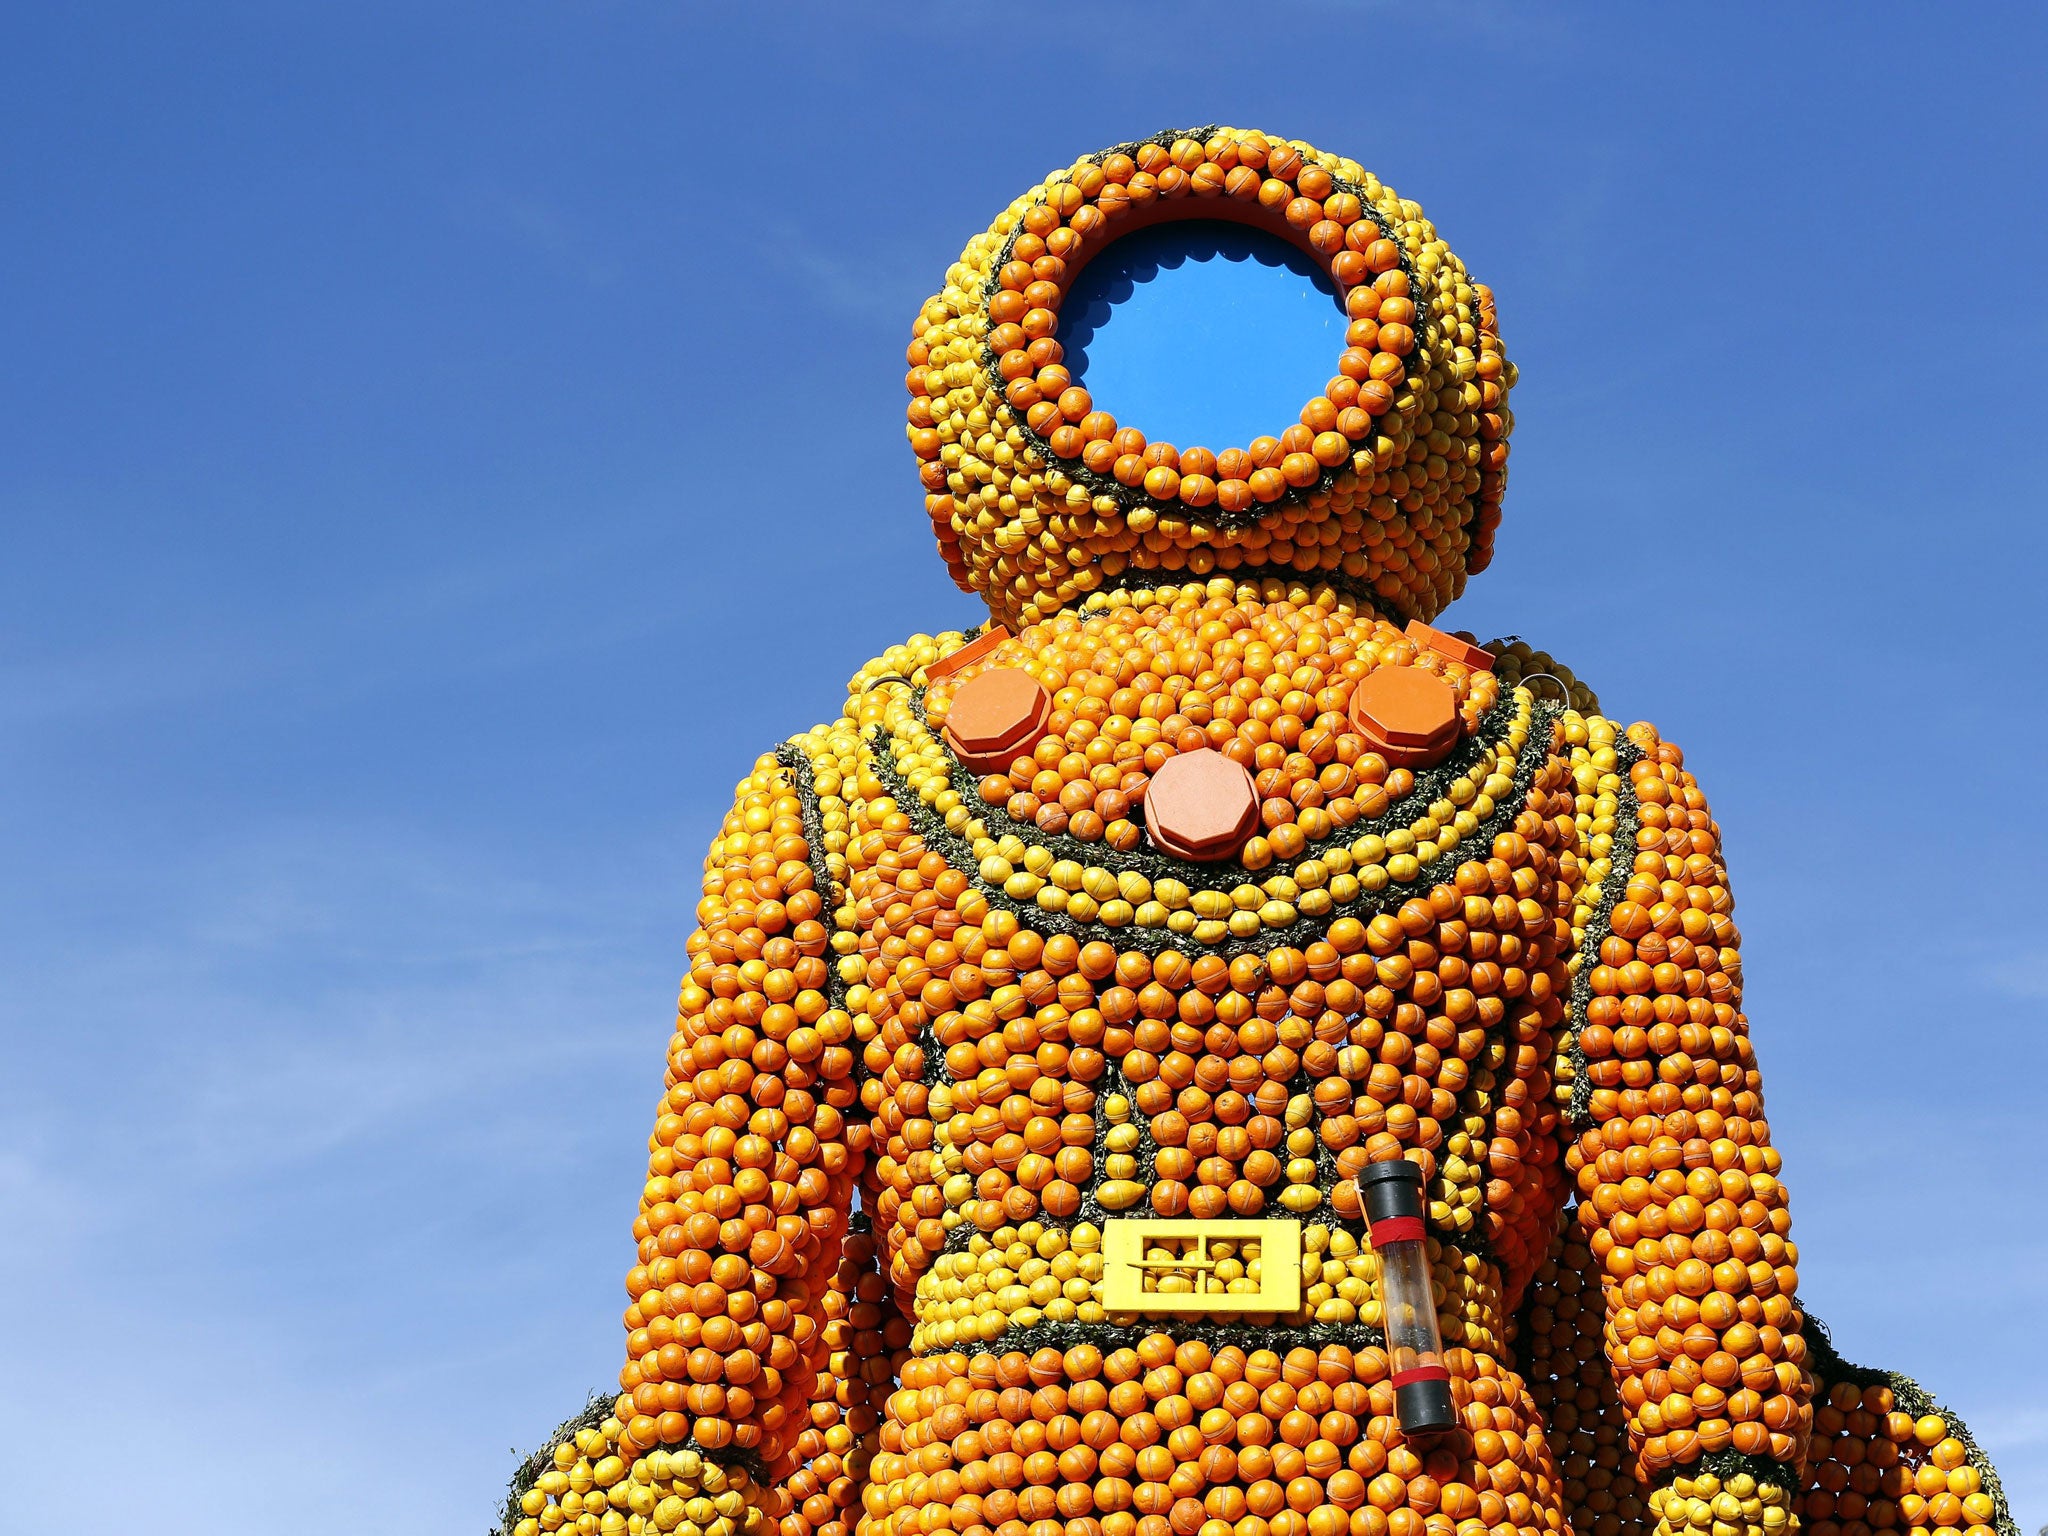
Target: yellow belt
x,y
1177,1252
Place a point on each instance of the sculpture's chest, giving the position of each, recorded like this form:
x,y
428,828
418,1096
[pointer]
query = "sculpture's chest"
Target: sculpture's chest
x,y
1064,1034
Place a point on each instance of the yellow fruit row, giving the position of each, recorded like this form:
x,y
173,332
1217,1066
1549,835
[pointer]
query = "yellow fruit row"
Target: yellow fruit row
x,y
590,1490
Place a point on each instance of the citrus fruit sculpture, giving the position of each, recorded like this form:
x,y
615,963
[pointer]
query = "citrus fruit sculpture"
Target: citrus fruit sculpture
x,y
1057,1012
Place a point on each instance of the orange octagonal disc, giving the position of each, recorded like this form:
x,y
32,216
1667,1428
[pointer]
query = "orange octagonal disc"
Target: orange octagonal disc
x,y
1410,716
1450,647
972,651
996,715
1200,805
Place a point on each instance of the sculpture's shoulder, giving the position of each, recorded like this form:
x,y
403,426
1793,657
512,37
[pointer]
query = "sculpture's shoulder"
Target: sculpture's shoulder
x,y
836,774
1195,769
1517,661
1045,748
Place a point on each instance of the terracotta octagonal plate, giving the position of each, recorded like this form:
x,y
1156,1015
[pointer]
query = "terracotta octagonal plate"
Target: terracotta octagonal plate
x,y
1410,716
996,715
1201,806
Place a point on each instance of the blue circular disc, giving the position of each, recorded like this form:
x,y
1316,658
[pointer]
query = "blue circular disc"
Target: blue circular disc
x,y
1203,333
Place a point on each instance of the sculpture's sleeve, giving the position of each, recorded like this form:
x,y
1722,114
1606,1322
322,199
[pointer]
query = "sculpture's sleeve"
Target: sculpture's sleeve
x,y
582,1480
757,1144
1680,1197
1886,1455
1882,1453
755,1328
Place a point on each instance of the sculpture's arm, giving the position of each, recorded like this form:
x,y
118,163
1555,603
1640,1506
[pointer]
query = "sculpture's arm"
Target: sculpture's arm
x,y
740,1300
584,1480
1880,1450
1679,1193
1883,1452
757,1144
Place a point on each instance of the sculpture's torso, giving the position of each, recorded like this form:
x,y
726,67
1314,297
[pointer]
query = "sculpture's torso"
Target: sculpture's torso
x,y
1067,1032
1059,1030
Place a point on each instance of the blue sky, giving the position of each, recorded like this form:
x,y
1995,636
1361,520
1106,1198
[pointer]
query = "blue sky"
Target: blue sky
x,y
441,444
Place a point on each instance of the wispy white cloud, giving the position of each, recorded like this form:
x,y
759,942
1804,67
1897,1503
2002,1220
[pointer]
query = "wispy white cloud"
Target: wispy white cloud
x,y
310,992
542,226
48,690
866,279
2024,974
330,1093
352,641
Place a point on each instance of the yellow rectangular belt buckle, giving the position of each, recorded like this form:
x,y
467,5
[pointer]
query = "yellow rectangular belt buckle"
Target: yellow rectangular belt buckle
x,y
1190,1263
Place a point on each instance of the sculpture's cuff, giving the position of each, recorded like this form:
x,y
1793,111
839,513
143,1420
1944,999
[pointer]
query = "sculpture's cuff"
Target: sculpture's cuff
x,y
579,1482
